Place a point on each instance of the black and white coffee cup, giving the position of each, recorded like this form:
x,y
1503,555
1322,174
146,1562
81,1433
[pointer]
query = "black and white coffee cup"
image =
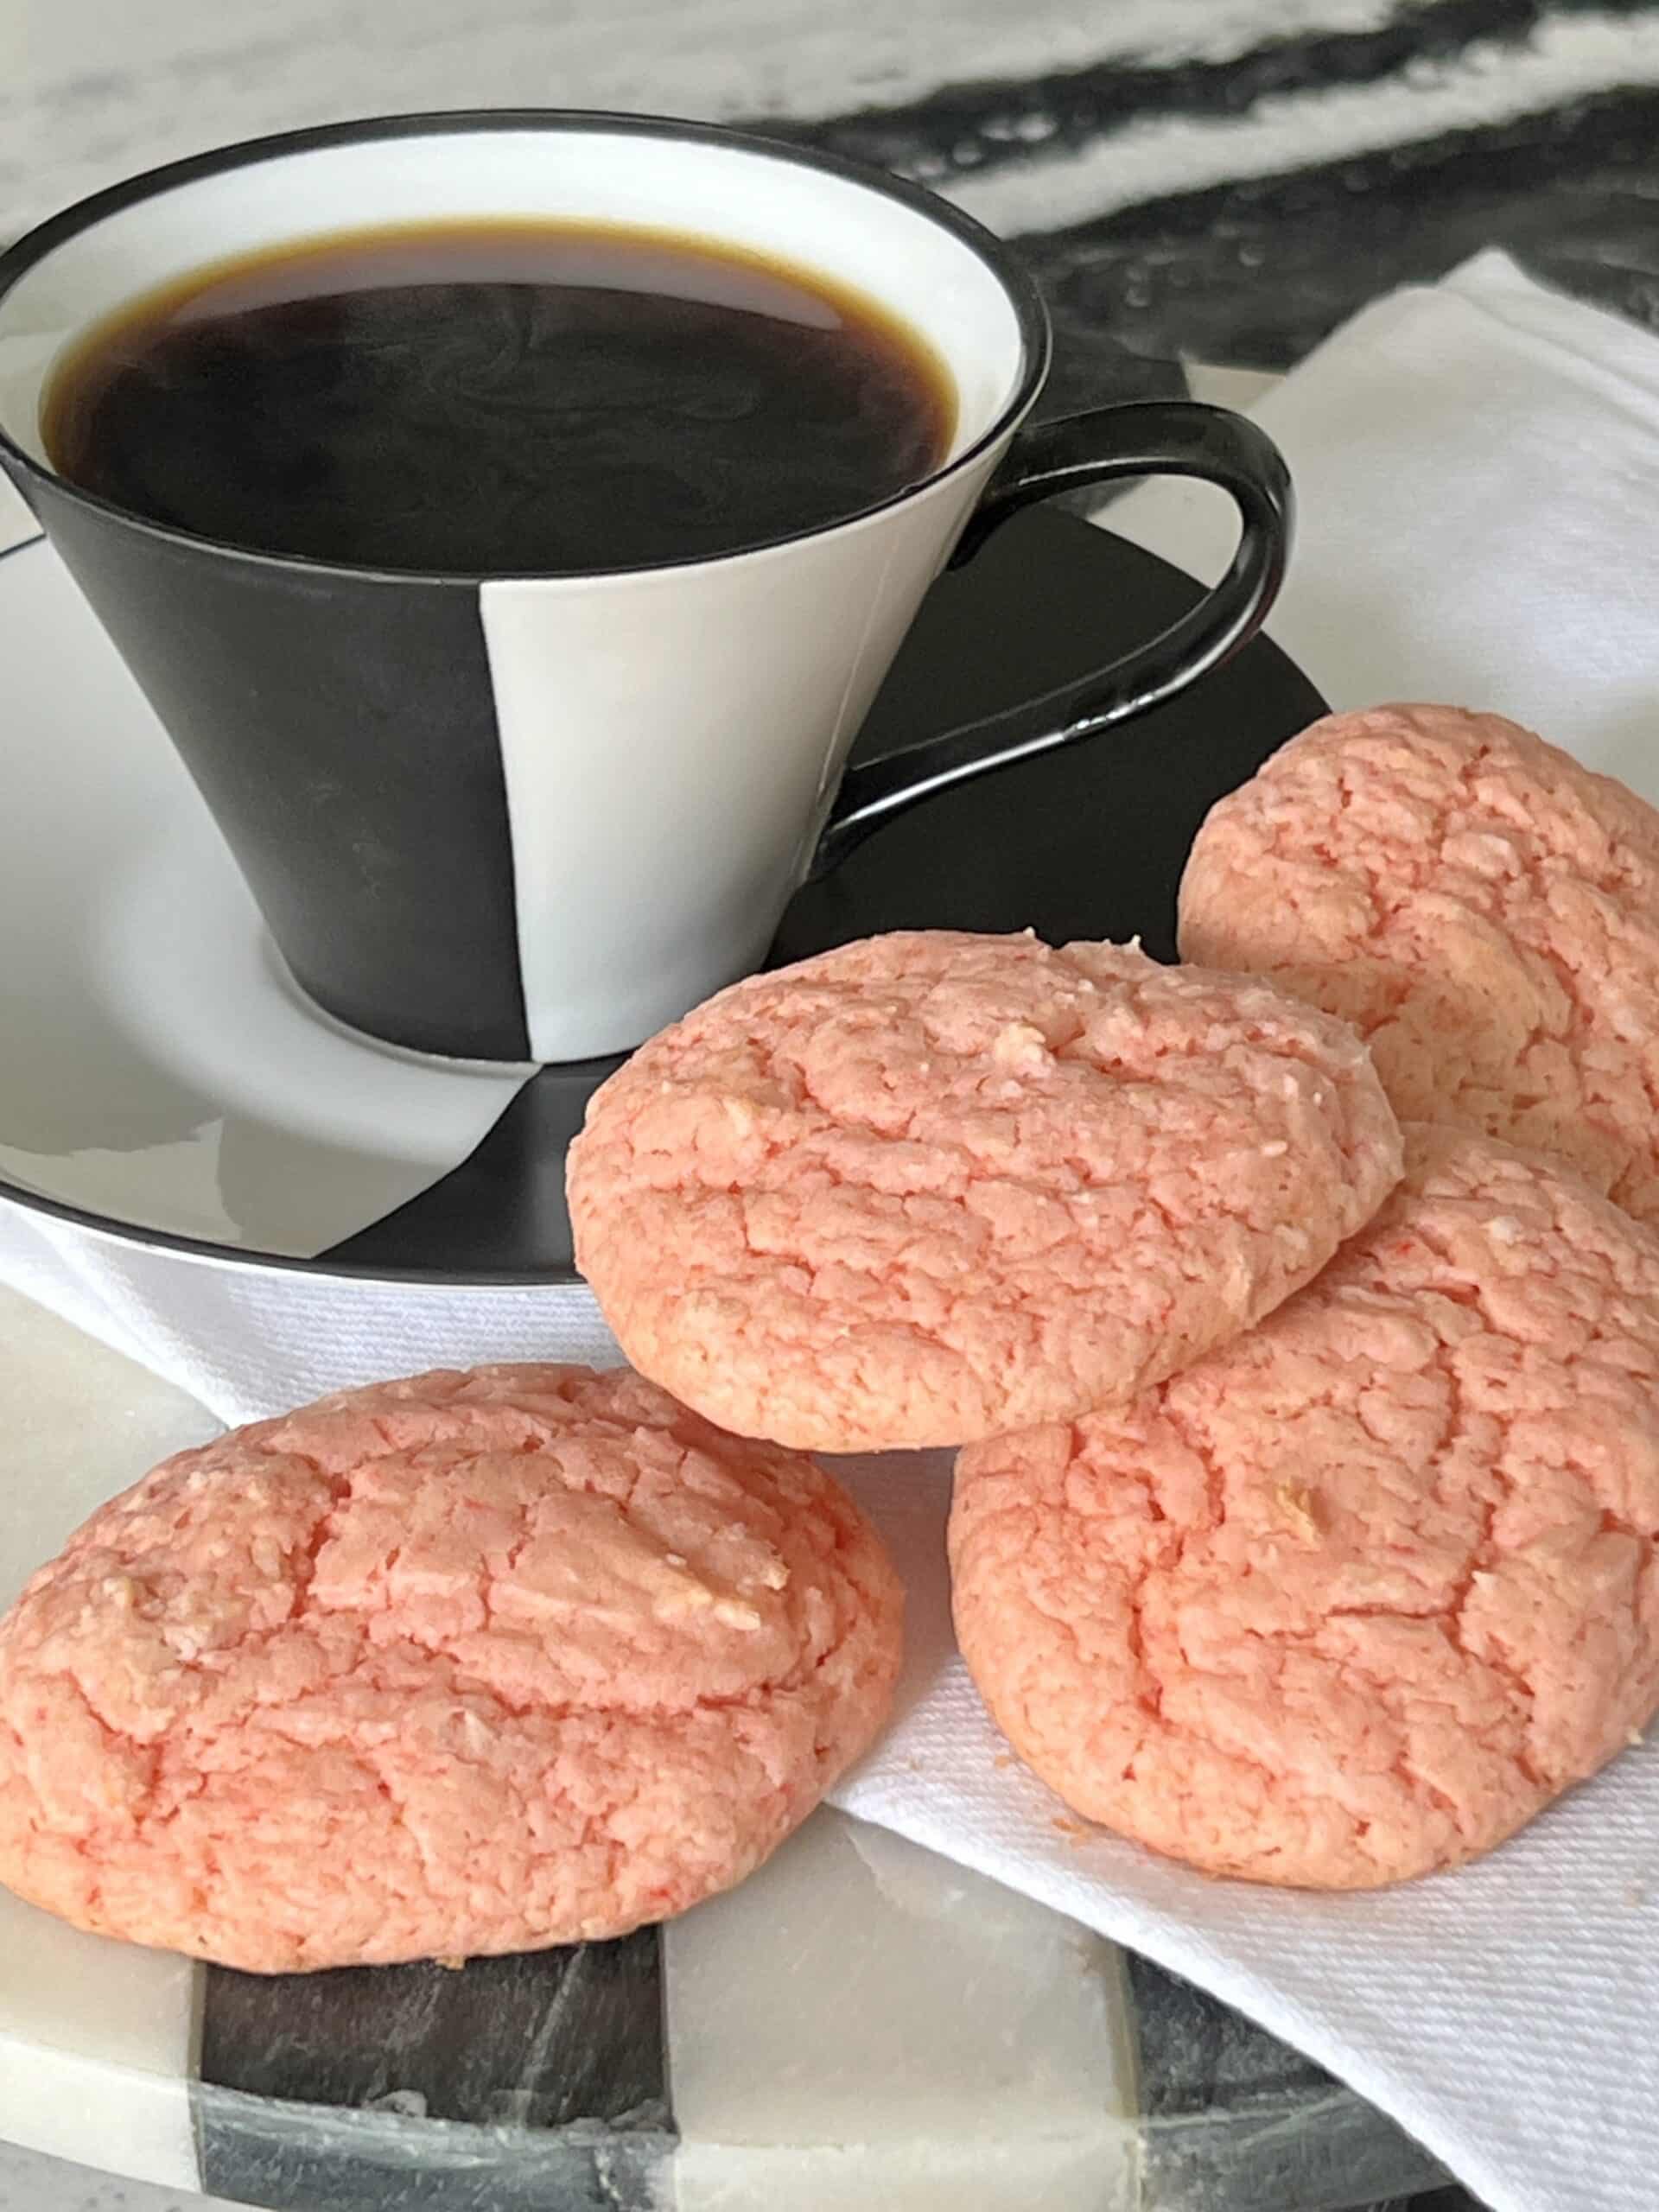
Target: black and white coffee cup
x,y
533,817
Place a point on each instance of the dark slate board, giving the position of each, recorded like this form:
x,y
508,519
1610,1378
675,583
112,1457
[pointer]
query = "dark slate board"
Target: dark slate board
x,y
535,2081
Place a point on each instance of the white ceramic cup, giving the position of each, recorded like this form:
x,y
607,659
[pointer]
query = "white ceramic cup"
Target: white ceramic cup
x,y
537,816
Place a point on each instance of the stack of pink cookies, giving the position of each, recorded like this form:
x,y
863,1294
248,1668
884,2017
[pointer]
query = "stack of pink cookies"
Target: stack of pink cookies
x,y
1308,1482
1305,1518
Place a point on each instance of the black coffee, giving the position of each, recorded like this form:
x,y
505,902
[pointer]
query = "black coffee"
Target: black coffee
x,y
500,398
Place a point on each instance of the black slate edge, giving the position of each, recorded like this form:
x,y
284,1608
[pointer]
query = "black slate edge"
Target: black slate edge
x,y
1234,2120
538,2080
1452,2199
305,2159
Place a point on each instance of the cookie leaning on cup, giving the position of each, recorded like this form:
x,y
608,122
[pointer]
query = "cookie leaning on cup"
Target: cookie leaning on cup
x,y
934,1186
1358,1594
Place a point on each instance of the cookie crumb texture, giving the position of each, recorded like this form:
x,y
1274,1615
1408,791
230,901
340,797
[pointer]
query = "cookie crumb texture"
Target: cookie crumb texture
x,y
468,1663
935,1185
1359,1594
1481,908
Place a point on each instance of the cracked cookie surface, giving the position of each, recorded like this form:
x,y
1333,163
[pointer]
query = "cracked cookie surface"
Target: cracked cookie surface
x,y
933,1186
1358,1594
1481,908
465,1664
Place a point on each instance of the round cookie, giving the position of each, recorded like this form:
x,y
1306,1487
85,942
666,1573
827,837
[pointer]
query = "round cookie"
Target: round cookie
x,y
1484,910
468,1663
1358,1595
932,1186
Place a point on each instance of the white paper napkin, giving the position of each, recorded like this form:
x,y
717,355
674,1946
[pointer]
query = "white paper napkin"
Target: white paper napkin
x,y
1477,467
1479,470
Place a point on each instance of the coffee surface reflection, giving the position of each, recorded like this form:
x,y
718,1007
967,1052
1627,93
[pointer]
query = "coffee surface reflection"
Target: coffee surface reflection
x,y
500,398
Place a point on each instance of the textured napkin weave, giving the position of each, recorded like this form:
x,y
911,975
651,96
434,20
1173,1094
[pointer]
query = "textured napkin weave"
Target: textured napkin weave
x,y
1479,470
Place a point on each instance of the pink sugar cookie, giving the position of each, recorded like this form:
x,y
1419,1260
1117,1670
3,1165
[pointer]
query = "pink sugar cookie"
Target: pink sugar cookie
x,y
1360,1592
465,1663
931,1186
1484,910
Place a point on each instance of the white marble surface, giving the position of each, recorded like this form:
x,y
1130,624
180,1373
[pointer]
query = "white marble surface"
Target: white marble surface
x,y
992,2069
95,88
17,524
81,2018
30,2183
91,90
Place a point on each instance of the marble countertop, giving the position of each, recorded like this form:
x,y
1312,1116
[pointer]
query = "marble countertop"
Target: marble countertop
x,y
965,88
1218,181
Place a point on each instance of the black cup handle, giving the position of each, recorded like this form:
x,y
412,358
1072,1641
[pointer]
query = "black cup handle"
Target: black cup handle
x,y
1152,438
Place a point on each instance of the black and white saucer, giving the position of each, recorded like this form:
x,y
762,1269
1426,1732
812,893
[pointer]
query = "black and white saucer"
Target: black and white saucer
x,y
163,1081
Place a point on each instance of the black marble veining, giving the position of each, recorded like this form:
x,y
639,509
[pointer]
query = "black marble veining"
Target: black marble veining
x,y
1237,2121
508,2085
967,128
1254,274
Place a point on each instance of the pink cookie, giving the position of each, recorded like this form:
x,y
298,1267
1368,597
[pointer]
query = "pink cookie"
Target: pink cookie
x,y
1483,909
931,1186
465,1663
1358,1595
